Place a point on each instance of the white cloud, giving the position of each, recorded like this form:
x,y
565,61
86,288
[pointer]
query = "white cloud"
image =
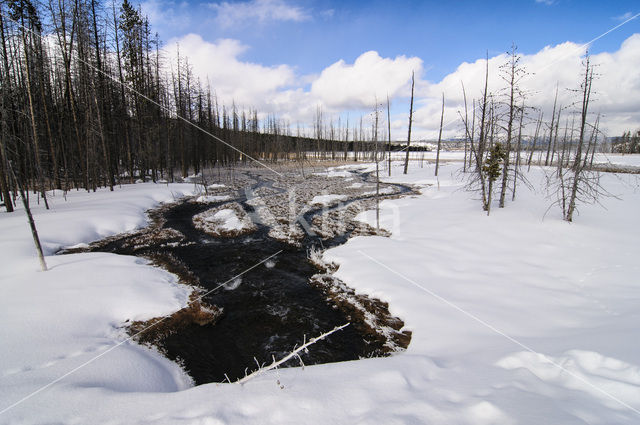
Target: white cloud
x,y
547,2
352,86
233,79
623,17
277,89
616,89
229,14
343,87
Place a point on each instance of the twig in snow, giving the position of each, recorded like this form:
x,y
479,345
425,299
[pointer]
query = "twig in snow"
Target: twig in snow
x,y
291,355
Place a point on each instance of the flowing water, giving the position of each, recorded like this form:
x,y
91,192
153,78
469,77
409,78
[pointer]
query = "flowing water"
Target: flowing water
x,y
266,312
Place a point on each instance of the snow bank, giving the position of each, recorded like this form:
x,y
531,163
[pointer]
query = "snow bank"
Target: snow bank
x,y
55,321
383,191
224,221
327,199
334,173
466,283
212,198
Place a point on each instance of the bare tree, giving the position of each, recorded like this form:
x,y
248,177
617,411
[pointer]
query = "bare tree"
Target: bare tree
x,y
516,168
551,128
512,72
389,133
406,158
532,143
375,140
491,167
576,183
440,138
478,153
32,223
467,134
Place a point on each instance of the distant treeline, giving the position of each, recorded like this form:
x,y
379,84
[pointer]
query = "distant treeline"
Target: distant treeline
x,y
627,143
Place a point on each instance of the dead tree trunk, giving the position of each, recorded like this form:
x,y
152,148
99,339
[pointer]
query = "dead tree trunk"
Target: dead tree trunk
x,y
406,158
553,116
532,147
516,169
577,165
440,138
32,223
389,133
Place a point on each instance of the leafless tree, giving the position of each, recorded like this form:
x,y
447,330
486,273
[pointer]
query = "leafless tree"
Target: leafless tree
x,y
389,133
516,168
440,138
512,73
532,143
406,158
551,128
577,184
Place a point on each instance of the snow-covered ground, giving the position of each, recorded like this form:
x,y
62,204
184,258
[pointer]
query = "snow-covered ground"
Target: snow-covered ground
x,y
539,155
515,319
212,198
327,199
225,221
617,159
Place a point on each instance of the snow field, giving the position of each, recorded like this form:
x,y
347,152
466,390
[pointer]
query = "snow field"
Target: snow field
x,y
461,281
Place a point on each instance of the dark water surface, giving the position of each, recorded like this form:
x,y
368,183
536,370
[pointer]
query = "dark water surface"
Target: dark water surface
x,y
267,312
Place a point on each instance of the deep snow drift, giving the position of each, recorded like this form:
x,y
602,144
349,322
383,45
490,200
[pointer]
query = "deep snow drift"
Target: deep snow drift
x,y
478,293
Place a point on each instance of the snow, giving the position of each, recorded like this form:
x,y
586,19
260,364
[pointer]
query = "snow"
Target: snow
x,y
228,219
216,186
617,159
54,321
223,221
495,304
383,191
327,199
212,198
334,174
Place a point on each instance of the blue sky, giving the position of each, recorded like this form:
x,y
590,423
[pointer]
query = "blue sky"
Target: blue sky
x,y
306,37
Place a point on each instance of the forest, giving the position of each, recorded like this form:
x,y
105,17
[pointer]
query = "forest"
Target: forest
x,y
87,102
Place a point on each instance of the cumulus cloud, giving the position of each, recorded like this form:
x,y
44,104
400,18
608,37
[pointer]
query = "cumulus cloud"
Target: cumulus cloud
x,y
238,13
277,89
616,88
353,86
232,78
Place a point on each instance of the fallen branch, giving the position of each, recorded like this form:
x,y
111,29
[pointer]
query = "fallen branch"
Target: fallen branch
x,y
291,355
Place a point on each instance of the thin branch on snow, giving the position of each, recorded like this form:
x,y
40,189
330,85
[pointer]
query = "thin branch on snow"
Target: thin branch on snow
x,y
291,355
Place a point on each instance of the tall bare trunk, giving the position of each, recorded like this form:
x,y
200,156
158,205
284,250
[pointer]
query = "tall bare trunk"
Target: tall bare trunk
x,y
406,158
440,137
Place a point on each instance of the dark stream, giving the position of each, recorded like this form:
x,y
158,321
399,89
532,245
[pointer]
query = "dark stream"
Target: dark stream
x,y
267,314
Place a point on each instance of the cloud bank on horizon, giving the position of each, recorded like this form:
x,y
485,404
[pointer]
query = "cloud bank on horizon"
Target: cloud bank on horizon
x,y
352,85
